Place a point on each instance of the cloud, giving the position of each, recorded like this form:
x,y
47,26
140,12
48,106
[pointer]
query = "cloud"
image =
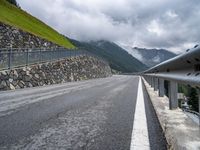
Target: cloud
x,y
155,28
171,14
170,24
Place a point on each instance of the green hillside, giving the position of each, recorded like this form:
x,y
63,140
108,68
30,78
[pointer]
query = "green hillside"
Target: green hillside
x,y
117,57
11,15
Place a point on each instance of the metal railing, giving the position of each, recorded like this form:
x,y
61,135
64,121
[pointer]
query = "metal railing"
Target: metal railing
x,y
183,69
19,57
192,112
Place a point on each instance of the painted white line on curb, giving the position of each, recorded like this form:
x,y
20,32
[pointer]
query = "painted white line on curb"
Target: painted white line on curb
x,y
140,137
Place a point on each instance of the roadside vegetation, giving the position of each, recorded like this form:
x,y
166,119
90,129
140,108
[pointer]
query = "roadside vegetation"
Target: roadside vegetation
x,y
12,15
192,95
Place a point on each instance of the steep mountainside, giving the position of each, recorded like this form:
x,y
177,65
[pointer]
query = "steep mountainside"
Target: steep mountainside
x,y
150,57
13,16
117,57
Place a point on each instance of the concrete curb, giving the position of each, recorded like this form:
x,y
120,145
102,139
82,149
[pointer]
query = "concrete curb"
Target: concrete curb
x,y
181,132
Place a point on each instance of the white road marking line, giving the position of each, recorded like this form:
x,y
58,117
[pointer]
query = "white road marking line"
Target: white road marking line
x,y
140,137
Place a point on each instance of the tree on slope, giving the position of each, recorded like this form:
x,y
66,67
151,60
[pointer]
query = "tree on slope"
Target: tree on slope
x,y
14,2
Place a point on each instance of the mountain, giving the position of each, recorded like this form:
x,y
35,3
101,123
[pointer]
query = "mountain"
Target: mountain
x,y
150,57
16,17
118,58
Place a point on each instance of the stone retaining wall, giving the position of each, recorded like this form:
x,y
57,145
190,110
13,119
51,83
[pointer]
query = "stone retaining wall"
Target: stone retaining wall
x,y
70,69
20,39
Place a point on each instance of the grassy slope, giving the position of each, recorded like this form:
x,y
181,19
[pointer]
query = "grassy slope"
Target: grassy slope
x,y
14,16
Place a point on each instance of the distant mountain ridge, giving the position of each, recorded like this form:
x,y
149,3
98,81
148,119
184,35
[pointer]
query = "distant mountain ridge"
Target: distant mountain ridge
x,y
118,58
151,57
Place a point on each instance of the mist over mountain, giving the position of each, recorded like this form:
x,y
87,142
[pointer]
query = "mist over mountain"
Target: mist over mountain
x,y
118,58
150,57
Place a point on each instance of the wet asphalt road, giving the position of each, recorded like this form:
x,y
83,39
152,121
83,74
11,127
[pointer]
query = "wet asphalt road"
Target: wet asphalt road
x,y
94,115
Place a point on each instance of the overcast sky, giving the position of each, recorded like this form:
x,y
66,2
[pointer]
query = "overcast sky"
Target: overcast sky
x,y
170,24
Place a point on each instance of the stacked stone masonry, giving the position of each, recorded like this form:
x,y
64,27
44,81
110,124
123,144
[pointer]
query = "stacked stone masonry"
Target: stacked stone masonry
x,y
11,36
70,69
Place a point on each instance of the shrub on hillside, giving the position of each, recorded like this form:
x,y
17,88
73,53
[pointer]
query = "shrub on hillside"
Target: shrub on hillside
x,y
13,2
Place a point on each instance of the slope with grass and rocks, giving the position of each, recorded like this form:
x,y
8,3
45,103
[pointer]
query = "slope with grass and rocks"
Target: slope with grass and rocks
x,y
16,23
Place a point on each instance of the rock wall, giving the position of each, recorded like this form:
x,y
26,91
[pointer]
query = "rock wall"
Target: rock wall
x,y
70,69
20,39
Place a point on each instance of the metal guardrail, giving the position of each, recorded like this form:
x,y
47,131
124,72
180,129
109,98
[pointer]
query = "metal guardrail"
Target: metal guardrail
x,y
192,112
19,57
183,69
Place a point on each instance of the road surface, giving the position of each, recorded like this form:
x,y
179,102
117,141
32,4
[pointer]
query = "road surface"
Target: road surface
x,y
94,115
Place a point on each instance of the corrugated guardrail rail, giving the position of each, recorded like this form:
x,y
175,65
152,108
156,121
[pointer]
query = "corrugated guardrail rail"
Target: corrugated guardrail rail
x,y
183,69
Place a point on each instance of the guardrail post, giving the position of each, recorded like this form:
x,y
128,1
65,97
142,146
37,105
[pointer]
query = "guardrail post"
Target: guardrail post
x,y
198,91
152,82
155,84
146,78
173,99
199,107
161,91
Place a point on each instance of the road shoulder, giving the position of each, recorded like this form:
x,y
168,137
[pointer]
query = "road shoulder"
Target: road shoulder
x,y
180,131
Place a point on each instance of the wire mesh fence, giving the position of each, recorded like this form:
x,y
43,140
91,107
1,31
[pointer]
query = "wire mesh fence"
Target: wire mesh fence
x,y
13,58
